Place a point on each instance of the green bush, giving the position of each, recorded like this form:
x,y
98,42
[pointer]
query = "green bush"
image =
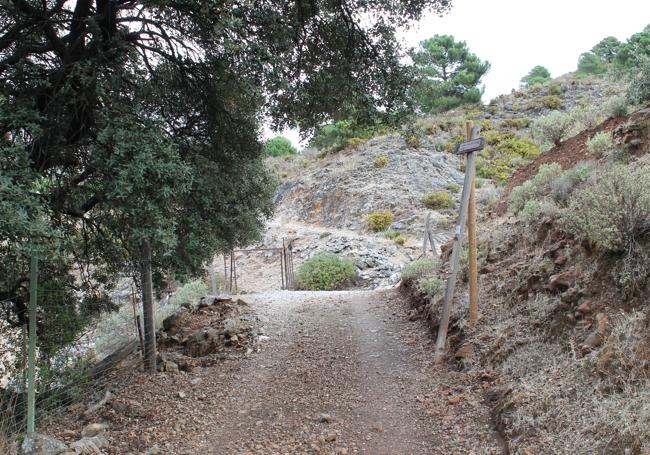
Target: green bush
x,y
451,145
430,285
381,161
504,154
279,146
325,272
538,75
564,184
336,136
553,127
454,187
552,102
413,135
391,234
189,293
419,268
600,144
399,240
438,200
533,188
616,106
380,220
612,212
530,211
517,123
586,117
554,90
639,89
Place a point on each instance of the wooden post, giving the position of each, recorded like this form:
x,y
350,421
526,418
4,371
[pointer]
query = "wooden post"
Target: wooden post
x,y
232,261
148,310
213,276
471,234
426,235
31,362
234,266
455,255
282,269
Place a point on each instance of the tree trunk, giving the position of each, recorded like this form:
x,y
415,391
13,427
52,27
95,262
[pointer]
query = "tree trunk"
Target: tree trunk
x,y
148,310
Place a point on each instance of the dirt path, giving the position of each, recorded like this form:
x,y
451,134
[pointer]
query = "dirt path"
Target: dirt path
x,y
348,357
329,373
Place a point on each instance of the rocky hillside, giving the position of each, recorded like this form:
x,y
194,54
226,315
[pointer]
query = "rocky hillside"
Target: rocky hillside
x,y
324,199
565,319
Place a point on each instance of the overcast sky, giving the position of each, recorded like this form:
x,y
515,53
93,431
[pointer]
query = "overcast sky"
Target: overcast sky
x,y
516,35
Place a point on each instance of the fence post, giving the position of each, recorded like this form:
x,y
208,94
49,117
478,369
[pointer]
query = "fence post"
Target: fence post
x,y
147,311
31,365
471,236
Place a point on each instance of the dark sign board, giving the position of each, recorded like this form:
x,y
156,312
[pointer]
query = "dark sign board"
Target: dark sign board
x,y
470,146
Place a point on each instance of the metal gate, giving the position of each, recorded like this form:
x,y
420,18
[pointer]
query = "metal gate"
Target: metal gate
x,y
285,252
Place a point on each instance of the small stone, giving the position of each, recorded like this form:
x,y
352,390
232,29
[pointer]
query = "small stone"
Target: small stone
x,y
94,444
331,436
242,302
181,394
561,281
324,418
454,400
585,307
93,430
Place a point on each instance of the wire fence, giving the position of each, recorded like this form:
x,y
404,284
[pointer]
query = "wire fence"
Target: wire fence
x,y
78,349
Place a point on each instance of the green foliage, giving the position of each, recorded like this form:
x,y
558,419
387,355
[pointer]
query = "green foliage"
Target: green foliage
x,y
399,240
553,127
616,106
564,184
612,212
279,146
333,137
552,102
119,132
517,123
590,63
530,211
380,220
586,117
325,272
419,268
534,188
639,89
391,234
504,154
413,135
381,161
607,49
447,74
538,75
554,90
636,49
600,144
430,285
190,292
453,187
452,144
438,200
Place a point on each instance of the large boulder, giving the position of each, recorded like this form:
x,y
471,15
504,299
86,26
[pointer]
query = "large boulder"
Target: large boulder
x,y
202,342
40,444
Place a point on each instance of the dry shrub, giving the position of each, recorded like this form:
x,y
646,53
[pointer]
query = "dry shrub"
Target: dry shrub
x,y
612,212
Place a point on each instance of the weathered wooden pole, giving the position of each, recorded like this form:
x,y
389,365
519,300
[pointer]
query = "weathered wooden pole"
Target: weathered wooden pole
x,y
31,362
148,310
455,255
213,276
471,234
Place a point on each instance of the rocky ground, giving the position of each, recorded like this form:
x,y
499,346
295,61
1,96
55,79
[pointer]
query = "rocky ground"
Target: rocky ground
x,y
331,373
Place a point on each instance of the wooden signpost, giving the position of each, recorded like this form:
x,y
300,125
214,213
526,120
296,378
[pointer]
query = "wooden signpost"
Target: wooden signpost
x,y
467,207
